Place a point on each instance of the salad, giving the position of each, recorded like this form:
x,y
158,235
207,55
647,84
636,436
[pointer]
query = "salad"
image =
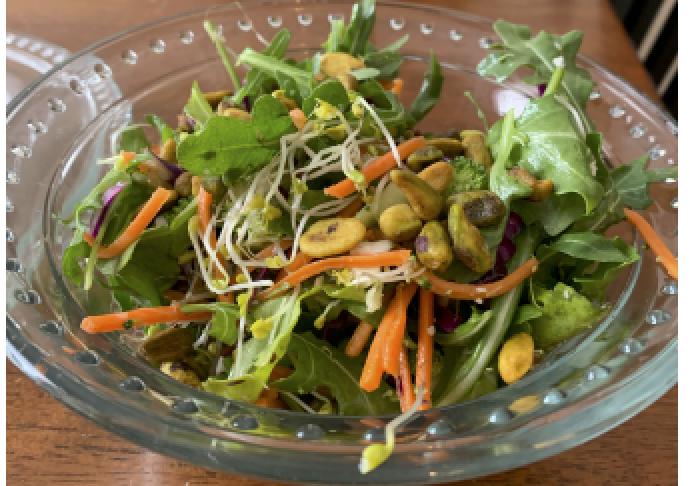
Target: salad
x,y
294,242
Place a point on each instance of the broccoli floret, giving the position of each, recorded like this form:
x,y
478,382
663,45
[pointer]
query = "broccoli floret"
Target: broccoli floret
x,y
467,176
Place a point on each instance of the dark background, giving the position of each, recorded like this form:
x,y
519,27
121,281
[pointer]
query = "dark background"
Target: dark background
x,y
638,17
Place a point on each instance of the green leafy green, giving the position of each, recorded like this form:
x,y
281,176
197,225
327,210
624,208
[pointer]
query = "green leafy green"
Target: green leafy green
x,y
227,143
198,107
71,262
317,363
584,246
224,321
386,62
564,314
519,49
632,181
430,92
165,131
594,284
258,75
361,24
133,140
466,330
222,53
124,208
336,36
332,92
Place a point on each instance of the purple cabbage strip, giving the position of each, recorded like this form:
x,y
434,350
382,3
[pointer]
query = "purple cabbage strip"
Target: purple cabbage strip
x,y
106,199
446,319
245,103
329,327
506,249
191,122
513,226
542,89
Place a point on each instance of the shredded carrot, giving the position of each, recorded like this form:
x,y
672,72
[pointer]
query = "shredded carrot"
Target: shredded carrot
x,y
388,259
397,87
135,228
140,317
370,379
204,209
127,156
359,339
298,118
269,398
484,291
156,149
405,381
351,209
393,345
300,260
387,85
663,254
425,345
376,169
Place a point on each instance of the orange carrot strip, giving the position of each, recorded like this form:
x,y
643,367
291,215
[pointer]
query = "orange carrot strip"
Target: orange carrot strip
x,y
351,209
387,85
140,317
485,291
135,228
389,259
425,345
394,339
370,379
300,260
204,210
663,254
298,118
359,339
127,156
156,149
269,398
405,381
397,87
376,169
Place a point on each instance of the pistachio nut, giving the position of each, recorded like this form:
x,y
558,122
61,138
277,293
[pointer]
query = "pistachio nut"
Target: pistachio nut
x,y
438,175
333,236
169,151
169,345
348,81
482,207
334,63
433,247
216,97
516,357
468,243
177,372
476,150
399,223
424,200
422,157
541,188
183,184
450,147
238,113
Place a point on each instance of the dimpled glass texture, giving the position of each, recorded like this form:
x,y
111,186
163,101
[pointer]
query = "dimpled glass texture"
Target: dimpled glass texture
x,y
588,385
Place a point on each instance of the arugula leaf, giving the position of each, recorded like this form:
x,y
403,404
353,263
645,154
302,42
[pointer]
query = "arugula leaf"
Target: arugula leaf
x,y
564,314
395,46
198,107
133,140
317,363
222,53
593,285
124,208
227,143
165,131
386,62
519,49
359,310
466,330
287,84
430,92
365,73
257,75
632,181
224,322
335,37
554,214
584,246
525,313
332,92
361,24
70,262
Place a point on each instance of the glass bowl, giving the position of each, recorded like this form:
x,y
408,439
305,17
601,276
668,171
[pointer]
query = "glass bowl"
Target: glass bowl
x,y
589,385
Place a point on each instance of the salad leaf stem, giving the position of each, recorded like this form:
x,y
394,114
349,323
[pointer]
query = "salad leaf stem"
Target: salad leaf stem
x,y
556,77
223,53
502,309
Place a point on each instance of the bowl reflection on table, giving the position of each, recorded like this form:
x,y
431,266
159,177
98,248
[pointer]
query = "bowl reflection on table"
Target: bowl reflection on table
x,y
587,386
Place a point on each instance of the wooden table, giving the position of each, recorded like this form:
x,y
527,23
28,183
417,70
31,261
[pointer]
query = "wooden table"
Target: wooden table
x,y
48,444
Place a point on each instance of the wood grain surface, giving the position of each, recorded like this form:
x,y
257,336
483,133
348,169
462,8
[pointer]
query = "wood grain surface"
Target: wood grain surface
x,y
49,444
